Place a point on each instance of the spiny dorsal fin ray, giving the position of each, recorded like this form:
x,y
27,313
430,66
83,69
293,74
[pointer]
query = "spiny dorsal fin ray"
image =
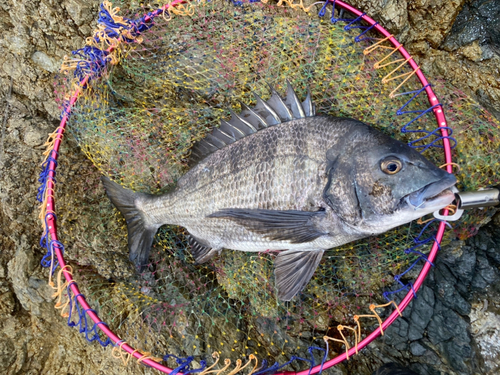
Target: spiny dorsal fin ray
x,y
216,141
249,115
241,124
228,138
275,110
308,105
293,102
279,106
266,111
230,128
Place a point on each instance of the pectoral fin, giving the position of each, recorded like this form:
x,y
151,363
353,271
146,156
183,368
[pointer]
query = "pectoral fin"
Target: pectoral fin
x,y
293,270
292,225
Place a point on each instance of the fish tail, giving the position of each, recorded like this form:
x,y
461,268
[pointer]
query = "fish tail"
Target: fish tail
x,y
141,229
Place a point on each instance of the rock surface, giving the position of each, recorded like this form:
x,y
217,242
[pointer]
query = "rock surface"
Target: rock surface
x,y
451,328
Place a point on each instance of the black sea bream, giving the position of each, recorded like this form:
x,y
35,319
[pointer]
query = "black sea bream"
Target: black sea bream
x,y
280,177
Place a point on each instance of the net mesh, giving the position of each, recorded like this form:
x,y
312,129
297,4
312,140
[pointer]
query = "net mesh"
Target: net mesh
x,y
137,123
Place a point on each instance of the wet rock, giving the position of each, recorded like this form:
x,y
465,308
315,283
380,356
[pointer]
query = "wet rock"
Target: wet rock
x,y
393,369
421,313
397,335
445,325
425,369
485,274
445,287
478,21
417,349
461,261
449,327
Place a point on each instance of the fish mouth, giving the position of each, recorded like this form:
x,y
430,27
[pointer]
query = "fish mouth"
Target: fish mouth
x,y
433,196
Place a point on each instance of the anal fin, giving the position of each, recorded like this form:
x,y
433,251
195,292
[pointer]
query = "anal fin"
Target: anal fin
x,y
293,270
201,252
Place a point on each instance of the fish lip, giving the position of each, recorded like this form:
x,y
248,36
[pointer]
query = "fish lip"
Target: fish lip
x,y
435,195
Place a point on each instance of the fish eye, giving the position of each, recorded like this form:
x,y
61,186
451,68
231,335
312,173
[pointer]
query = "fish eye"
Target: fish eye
x,y
391,165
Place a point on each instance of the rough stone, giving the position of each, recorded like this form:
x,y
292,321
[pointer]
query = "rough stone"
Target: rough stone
x,y
7,353
425,369
457,352
417,349
477,22
422,309
30,291
397,334
486,271
445,325
485,328
7,300
45,62
445,288
463,267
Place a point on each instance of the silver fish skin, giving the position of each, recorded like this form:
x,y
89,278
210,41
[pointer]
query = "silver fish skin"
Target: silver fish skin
x,y
279,177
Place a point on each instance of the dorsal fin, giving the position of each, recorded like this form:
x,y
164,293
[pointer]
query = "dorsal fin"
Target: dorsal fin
x,y
279,106
275,110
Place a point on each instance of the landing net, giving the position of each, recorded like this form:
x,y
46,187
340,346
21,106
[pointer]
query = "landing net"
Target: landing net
x,y
136,98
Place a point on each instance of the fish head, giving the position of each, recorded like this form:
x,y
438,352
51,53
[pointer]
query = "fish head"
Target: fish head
x,y
386,182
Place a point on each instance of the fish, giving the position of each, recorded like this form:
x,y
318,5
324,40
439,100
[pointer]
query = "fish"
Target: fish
x,y
278,176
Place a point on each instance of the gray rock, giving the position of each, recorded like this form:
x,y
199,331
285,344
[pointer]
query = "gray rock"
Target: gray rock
x,y
415,332
445,288
45,62
479,21
397,334
464,267
447,324
423,308
493,245
417,349
457,353
489,273
425,369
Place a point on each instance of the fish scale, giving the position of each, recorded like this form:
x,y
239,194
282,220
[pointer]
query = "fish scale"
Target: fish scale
x,y
279,177
260,180
248,161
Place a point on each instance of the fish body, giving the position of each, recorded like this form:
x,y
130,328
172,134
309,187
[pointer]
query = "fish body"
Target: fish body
x,y
279,177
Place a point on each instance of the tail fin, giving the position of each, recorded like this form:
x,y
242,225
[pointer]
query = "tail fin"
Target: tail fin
x,y
140,232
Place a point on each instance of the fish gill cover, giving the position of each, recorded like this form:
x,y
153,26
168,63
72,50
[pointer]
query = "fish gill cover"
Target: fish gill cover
x,y
137,122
